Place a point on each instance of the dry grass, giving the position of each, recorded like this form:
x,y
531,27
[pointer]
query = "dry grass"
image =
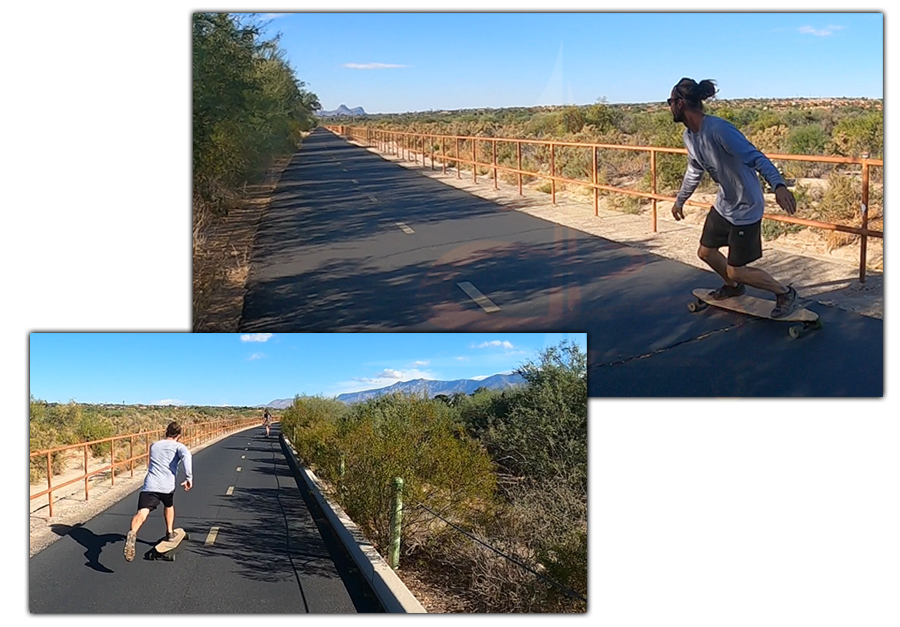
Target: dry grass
x,y
221,256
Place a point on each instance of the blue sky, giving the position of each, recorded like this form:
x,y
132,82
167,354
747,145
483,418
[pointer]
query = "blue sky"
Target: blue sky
x,y
252,369
396,62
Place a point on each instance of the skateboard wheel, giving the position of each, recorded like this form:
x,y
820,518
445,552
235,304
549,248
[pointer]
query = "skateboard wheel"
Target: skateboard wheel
x,y
795,331
696,305
817,324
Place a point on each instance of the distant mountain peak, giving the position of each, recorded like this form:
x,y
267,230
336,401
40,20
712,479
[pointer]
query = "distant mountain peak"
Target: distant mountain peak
x,y
342,110
430,388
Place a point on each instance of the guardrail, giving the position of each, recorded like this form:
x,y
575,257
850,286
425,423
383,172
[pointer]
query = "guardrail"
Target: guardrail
x,y
192,435
404,144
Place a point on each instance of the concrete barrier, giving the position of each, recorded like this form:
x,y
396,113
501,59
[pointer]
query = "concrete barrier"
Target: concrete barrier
x,y
387,586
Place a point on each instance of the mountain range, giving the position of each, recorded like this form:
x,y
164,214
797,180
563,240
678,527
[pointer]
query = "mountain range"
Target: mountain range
x,y
342,110
423,387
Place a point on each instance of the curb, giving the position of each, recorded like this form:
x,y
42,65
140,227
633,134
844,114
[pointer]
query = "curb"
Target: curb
x,y
390,590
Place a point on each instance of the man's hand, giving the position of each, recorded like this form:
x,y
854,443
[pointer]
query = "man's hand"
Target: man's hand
x,y
785,199
678,212
187,485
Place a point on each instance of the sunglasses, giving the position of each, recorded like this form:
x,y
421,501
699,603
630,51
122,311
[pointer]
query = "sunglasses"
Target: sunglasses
x,y
671,100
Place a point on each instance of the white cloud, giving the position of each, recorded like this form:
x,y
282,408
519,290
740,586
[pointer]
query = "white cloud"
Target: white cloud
x,y
390,374
496,344
256,356
256,337
819,32
170,401
416,364
372,66
462,359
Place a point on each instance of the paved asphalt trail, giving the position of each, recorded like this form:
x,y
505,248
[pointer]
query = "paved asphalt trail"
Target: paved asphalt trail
x,y
352,242
272,554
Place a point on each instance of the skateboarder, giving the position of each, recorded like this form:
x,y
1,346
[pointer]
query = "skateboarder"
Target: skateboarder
x,y
715,146
267,420
159,485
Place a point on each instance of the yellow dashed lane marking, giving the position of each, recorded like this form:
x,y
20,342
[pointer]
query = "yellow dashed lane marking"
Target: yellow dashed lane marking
x,y
211,537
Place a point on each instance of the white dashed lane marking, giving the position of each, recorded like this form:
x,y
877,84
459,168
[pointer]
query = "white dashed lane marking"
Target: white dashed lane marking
x,y
483,301
229,491
238,469
211,537
403,227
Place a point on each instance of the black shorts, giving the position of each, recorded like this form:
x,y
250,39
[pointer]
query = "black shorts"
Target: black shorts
x,y
744,242
149,500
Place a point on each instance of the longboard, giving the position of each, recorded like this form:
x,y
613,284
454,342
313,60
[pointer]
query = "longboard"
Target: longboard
x,y
758,307
165,550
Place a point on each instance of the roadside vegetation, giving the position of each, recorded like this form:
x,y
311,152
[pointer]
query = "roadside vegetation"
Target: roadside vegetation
x,y
827,192
250,112
53,425
508,468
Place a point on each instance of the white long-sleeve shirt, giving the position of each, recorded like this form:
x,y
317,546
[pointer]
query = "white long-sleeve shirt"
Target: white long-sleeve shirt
x,y
164,458
722,150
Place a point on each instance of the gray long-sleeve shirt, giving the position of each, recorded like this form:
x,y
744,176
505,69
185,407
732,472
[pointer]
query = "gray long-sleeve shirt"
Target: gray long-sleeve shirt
x,y
721,150
164,458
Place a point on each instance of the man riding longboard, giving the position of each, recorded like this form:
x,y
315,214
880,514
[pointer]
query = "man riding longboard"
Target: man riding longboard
x,y
159,484
717,147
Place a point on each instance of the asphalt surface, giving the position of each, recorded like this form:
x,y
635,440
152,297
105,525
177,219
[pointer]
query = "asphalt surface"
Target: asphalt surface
x,y
352,242
272,553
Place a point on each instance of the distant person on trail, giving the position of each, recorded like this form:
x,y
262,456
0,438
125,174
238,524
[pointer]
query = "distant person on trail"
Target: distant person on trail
x,y
715,146
159,485
267,420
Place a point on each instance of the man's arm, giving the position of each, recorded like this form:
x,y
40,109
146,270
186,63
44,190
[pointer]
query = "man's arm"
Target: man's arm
x,y
734,142
187,461
688,185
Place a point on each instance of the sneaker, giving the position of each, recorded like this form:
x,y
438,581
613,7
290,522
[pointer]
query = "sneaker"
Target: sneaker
x,y
728,291
170,536
129,546
785,303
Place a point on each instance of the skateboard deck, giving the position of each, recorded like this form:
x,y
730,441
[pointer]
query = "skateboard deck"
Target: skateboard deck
x,y
758,307
165,550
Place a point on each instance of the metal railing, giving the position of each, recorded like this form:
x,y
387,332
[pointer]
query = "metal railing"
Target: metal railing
x,y
405,144
192,435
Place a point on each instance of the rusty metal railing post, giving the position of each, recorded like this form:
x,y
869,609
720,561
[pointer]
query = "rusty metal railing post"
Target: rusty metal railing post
x,y
865,219
653,184
552,173
458,160
86,474
594,181
519,164
431,150
112,461
494,160
50,483
131,454
474,160
443,157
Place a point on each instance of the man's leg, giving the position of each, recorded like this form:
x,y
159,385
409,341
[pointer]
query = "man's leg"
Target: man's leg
x,y
169,515
138,519
756,278
716,260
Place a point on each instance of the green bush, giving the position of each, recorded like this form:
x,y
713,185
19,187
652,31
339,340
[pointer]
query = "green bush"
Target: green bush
x,y
422,442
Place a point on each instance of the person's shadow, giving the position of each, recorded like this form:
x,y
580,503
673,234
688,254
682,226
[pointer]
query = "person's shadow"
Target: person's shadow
x,y
90,541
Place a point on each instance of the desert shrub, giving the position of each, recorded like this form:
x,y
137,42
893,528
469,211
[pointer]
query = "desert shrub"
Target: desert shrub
x,y
311,425
422,442
858,135
544,433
